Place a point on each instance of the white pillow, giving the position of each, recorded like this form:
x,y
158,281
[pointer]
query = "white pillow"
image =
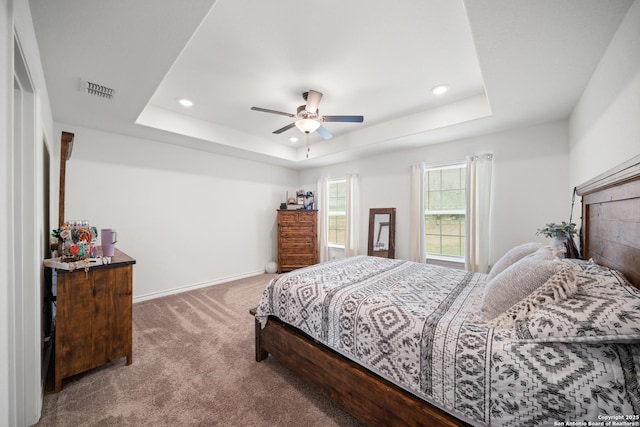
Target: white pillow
x,y
518,281
513,255
559,287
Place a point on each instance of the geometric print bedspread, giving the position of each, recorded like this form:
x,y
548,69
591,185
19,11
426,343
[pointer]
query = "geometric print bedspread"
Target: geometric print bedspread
x,y
417,325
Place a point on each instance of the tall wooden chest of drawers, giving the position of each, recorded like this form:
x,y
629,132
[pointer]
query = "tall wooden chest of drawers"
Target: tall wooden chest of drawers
x,y
297,239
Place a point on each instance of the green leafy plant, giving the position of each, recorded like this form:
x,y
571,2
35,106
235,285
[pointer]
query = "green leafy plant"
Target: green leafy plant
x,y
564,229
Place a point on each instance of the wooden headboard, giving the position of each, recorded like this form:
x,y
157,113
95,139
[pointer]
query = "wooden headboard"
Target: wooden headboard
x,y
611,219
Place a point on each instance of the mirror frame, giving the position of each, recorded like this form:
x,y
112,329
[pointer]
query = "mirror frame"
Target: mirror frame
x,y
390,252
66,147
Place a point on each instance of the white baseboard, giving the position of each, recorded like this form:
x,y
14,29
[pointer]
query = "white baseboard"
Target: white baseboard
x,y
191,287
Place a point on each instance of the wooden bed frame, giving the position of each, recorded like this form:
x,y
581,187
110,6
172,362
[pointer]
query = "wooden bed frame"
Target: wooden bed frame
x,y
611,219
610,235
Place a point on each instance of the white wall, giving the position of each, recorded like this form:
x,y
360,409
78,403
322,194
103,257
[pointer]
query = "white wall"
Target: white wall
x,y
530,185
189,218
605,125
7,387
21,215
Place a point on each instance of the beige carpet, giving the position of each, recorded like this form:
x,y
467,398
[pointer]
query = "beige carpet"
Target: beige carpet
x,y
193,365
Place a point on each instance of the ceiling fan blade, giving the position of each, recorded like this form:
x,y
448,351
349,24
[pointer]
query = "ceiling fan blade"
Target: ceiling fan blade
x,y
349,119
265,110
323,132
313,101
284,129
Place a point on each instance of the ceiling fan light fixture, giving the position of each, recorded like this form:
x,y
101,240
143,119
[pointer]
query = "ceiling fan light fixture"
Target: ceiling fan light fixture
x,y
308,118
307,125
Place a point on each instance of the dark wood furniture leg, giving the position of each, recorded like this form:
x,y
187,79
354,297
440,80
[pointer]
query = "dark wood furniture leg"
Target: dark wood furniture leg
x,y
261,354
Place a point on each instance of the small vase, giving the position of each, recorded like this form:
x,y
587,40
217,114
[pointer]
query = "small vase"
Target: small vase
x,y
558,242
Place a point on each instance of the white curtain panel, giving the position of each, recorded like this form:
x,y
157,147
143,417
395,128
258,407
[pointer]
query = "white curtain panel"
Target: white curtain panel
x,y
322,204
478,199
417,250
351,237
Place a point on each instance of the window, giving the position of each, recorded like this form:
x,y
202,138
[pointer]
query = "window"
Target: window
x,y
445,210
337,212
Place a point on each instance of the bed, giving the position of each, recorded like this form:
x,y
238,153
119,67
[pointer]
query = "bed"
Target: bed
x,y
402,343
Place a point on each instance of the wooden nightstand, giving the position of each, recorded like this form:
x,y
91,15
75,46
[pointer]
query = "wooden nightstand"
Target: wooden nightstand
x,y
94,317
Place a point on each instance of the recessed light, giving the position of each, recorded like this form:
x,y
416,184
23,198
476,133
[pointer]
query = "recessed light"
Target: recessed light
x,y
185,102
293,139
440,89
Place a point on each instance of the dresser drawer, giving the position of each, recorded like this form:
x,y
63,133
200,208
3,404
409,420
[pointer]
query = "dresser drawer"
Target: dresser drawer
x,y
302,217
307,252
297,261
297,234
307,217
298,250
287,217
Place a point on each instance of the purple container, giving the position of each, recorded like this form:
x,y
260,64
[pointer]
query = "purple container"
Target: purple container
x,y
108,238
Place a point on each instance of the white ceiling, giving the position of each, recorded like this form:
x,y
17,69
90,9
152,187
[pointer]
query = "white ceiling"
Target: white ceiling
x,y
508,63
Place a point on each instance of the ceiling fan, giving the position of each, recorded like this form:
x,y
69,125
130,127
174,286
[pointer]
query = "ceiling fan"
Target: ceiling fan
x,y
308,118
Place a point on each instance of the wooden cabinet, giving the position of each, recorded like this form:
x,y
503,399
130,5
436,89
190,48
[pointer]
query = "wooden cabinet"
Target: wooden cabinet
x,y
94,317
297,239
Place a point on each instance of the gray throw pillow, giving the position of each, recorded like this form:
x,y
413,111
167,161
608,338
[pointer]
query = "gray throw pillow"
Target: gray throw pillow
x,y
518,281
513,255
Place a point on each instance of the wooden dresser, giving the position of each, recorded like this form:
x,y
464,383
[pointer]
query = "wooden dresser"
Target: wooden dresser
x,y
94,318
297,239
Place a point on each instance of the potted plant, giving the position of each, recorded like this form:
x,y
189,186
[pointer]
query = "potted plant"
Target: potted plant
x,y
562,237
558,231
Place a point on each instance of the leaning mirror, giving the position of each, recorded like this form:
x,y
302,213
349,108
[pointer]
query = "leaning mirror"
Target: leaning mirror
x,y
382,228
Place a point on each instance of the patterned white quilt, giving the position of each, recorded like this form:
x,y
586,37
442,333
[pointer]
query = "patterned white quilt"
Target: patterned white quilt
x,y
418,326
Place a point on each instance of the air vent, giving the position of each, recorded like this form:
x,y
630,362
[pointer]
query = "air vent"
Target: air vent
x,y
98,90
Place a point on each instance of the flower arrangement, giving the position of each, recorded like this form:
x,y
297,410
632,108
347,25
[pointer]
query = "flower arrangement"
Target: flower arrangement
x,y
553,230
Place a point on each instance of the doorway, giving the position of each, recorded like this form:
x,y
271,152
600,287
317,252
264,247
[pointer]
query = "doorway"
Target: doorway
x,y
24,291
